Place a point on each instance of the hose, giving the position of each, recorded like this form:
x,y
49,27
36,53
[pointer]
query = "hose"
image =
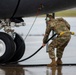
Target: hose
x,y
34,52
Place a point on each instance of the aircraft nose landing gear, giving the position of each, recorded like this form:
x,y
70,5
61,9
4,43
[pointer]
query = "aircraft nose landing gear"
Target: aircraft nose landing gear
x,y
12,46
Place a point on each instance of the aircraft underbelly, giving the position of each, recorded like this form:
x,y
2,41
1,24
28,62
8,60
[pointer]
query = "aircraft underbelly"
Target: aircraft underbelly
x,y
23,8
30,8
7,8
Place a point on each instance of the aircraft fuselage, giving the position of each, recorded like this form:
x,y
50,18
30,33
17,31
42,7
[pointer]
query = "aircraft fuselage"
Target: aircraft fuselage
x,y
25,8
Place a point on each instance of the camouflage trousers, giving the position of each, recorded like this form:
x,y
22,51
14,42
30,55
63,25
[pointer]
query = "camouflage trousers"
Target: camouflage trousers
x,y
59,43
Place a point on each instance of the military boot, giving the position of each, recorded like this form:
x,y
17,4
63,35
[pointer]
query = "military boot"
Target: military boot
x,y
59,61
53,63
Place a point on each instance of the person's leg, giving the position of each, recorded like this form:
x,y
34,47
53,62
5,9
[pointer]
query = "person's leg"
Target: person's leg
x,y
60,51
56,43
59,54
51,53
52,56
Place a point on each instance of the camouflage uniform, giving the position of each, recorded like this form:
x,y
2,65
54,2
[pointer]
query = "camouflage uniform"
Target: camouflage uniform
x,y
60,42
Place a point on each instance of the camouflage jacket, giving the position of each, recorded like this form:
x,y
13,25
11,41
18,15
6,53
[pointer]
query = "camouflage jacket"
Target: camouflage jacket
x,y
58,25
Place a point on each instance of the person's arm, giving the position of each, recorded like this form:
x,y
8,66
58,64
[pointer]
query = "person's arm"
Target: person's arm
x,y
47,32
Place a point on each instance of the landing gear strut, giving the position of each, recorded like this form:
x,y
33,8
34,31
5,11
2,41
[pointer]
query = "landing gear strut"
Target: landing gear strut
x,y
12,46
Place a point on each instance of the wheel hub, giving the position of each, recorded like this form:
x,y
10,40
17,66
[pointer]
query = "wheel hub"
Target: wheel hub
x,y
2,47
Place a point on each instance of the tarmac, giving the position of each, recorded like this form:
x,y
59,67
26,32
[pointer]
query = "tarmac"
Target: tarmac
x,y
18,69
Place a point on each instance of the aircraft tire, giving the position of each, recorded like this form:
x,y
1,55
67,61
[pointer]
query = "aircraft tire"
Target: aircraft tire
x,y
7,46
20,48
